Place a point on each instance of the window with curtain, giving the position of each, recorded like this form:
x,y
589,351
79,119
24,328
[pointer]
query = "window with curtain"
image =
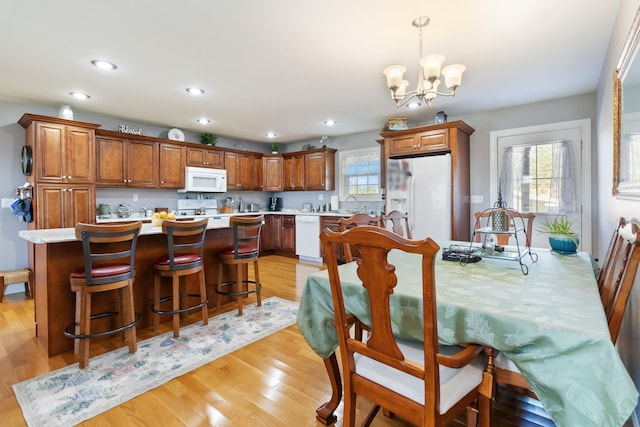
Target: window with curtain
x,y
539,178
360,174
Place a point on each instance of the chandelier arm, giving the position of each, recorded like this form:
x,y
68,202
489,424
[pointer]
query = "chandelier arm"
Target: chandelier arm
x,y
409,96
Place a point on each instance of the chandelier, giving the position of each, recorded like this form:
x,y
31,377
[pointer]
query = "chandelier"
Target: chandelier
x,y
428,76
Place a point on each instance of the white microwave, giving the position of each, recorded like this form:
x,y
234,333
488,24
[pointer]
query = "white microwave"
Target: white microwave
x,y
204,180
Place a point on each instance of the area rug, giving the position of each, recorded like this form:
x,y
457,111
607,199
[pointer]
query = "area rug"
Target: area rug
x,y
69,395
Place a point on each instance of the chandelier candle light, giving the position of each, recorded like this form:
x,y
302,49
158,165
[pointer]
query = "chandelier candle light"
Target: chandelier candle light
x,y
428,76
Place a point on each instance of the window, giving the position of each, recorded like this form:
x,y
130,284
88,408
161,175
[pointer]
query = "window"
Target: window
x,y
360,174
539,177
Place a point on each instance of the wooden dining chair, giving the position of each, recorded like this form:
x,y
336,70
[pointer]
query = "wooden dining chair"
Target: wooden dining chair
x,y
524,219
398,222
616,277
356,220
420,382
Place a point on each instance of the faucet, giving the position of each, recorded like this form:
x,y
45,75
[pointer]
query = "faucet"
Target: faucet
x,y
355,199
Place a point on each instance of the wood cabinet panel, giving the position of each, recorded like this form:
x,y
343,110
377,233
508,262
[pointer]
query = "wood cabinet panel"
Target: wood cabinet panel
x,y
60,206
270,240
272,172
205,157
64,153
289,234
142,164
172,164
239,171
257,172
319,171
420,143
294,172
111,160
125,163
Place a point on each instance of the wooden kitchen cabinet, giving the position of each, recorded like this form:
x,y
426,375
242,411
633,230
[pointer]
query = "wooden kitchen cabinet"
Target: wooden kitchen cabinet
x,y
319,170
63,171
61,206
288,235
443,138
258,172
172,163
272,172
205,157
239,170
270,238
419,143
293,171
331,222
126,163
62,152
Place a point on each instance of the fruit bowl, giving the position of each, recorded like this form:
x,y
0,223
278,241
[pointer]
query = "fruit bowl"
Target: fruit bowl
x,y
157,222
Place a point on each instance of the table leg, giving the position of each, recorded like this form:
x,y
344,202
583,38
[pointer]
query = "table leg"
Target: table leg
x,y
324,413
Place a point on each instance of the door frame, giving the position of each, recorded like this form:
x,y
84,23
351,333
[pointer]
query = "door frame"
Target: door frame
x,y
585,185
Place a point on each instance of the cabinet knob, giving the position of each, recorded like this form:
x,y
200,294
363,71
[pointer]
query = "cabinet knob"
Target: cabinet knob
x,y
161,182
70,177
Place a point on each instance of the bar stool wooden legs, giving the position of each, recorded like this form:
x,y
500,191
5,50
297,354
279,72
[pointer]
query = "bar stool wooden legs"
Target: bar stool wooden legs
x,y
245,250
185,257
109,255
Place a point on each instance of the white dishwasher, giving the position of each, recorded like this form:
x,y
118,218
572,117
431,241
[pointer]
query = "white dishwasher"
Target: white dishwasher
x,y
308,237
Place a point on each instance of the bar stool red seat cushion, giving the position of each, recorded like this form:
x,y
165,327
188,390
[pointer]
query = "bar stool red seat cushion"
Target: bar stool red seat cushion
x,y
106,271
179,259
242,250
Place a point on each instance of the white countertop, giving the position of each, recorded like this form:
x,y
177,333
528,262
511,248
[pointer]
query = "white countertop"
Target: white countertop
x,y
56,235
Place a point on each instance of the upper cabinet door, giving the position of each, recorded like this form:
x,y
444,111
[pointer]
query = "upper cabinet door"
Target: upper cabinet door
x,y
64,153
172,164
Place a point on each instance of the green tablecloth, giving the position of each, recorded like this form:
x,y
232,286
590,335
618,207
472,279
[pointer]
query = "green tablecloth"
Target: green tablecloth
x,y
550,323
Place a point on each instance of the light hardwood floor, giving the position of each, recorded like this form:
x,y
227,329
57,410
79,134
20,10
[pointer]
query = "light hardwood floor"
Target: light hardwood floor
x,y
277,381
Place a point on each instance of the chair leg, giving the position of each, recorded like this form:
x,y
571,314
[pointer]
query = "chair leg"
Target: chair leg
x,y
239,285
78,317
176,305
85,328
219,287
130,317
203,298
156,301
256,275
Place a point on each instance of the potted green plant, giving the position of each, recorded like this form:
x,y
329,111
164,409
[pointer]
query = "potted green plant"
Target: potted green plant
x,y
208,139
274,147
562,237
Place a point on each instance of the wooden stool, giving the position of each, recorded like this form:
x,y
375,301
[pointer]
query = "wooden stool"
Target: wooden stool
x,y
245,250
185,257
21,275
109,255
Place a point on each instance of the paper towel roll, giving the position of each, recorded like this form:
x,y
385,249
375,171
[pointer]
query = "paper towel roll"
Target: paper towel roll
x,y
335,203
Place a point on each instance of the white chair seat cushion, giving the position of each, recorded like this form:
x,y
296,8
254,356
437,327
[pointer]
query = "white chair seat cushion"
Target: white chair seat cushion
x,y
503,362
454,383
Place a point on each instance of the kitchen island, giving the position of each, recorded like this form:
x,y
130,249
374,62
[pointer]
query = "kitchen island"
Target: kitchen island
x,y
55,253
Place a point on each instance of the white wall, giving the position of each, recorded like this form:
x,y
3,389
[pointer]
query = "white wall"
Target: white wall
x,y
609,207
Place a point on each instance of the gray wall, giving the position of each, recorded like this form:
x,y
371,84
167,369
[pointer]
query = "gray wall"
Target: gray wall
x,y
608,207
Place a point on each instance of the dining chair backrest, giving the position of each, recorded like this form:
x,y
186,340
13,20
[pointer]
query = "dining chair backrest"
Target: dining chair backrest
x,y
615,245
620,274
382,348
186,242
356,220
398,222
521,220
109,251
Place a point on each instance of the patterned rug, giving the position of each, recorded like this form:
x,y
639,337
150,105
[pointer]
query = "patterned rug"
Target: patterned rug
x,y
69,395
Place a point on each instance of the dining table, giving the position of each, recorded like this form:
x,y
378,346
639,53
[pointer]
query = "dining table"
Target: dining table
x,y
550,323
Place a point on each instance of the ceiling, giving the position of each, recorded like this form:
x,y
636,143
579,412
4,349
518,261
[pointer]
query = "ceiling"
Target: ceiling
x,y
287,66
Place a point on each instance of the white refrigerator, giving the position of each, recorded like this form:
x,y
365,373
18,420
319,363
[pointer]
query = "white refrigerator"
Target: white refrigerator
x,y
421,186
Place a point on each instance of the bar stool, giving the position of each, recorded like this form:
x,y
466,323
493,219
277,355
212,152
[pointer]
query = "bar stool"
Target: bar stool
x,y
245,250
109,255
185,257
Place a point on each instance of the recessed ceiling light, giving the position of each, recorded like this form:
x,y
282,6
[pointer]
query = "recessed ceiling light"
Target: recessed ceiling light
x,y
203,121
413,104
195,90
270,135
79,95
330,122
104,65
